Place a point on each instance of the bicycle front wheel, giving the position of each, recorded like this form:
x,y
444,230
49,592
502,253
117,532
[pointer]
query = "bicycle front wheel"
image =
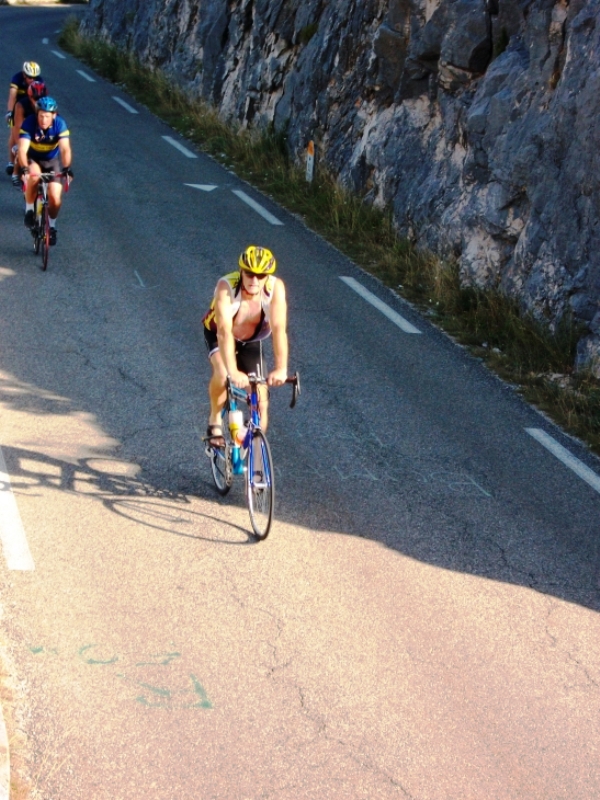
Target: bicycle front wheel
x,y
260,488
45,237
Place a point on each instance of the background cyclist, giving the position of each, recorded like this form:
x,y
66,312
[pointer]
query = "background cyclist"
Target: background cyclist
x,y
44,145
24,107
248,306
18,87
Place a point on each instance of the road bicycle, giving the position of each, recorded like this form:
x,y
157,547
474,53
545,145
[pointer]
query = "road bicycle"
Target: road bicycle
x,y
41,226
246,452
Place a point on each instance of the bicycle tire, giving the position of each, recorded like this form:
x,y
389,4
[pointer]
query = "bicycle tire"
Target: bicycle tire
x,y
260,487
35,231
36,239
220,461
45,237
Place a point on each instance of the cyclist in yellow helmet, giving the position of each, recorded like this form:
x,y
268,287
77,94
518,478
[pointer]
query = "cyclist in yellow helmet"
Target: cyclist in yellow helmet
x,y
248,306
19,84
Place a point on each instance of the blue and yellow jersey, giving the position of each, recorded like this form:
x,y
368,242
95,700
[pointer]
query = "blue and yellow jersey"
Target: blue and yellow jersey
x,y
44,143
18,82
233,279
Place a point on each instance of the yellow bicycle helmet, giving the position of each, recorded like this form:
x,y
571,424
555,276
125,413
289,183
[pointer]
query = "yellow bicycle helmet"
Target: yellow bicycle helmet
x,y
258,260
31,69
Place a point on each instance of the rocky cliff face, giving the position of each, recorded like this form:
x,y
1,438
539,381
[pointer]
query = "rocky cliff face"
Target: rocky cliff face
x,y
477,121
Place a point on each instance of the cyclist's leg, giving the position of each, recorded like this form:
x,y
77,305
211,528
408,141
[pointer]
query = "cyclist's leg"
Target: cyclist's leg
x,y
10,152
31,193
32,182
54,204
217,390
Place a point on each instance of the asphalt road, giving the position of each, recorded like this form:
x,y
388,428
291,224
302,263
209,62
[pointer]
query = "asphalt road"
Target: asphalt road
x,y
422,621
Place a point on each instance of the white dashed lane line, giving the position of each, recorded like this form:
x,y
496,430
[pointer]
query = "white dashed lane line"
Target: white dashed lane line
x,y
12,534
125,105
187,153
86,76
392,315
204,187
567,458
257,207
59,55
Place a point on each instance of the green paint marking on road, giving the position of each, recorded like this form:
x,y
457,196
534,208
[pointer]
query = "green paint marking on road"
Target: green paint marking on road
x,y
37,650
156,689
199,690
166,659
96,661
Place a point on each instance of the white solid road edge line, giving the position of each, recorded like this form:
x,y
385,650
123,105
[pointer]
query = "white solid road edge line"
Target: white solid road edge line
x,y
12,534
392,315
4,760
567,458
125,105
180,147
257,207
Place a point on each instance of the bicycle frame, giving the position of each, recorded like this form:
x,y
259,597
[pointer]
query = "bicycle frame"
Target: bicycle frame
x,y
40,230
234,395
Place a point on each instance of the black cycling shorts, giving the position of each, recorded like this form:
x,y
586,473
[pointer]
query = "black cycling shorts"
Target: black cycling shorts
x,y
47,165
249,355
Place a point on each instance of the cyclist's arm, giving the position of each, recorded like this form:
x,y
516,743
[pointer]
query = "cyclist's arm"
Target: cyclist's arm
x,y
225,336
24,144
18,117
278,321
12,98
64,145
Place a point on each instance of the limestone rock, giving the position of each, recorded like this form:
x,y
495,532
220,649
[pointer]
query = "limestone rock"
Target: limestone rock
x,y
476,121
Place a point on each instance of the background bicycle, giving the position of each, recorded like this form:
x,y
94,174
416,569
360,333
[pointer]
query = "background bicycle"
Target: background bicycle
x,y
246,452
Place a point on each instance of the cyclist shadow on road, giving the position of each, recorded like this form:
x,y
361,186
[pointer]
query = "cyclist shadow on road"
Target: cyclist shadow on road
x,y
104,479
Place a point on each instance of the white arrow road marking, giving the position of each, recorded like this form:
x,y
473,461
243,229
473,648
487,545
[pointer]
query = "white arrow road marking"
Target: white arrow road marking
x,y
180,147
86,76
12,534
58,55
204,187
257,207
125,105
567,458
392,315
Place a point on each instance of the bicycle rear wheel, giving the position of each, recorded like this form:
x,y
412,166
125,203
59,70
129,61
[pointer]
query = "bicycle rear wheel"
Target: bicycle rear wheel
x,y
36,238
260,488
45,237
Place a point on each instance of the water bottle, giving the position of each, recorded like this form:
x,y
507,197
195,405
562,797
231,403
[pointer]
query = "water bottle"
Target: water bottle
x,y
240,434
236,421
